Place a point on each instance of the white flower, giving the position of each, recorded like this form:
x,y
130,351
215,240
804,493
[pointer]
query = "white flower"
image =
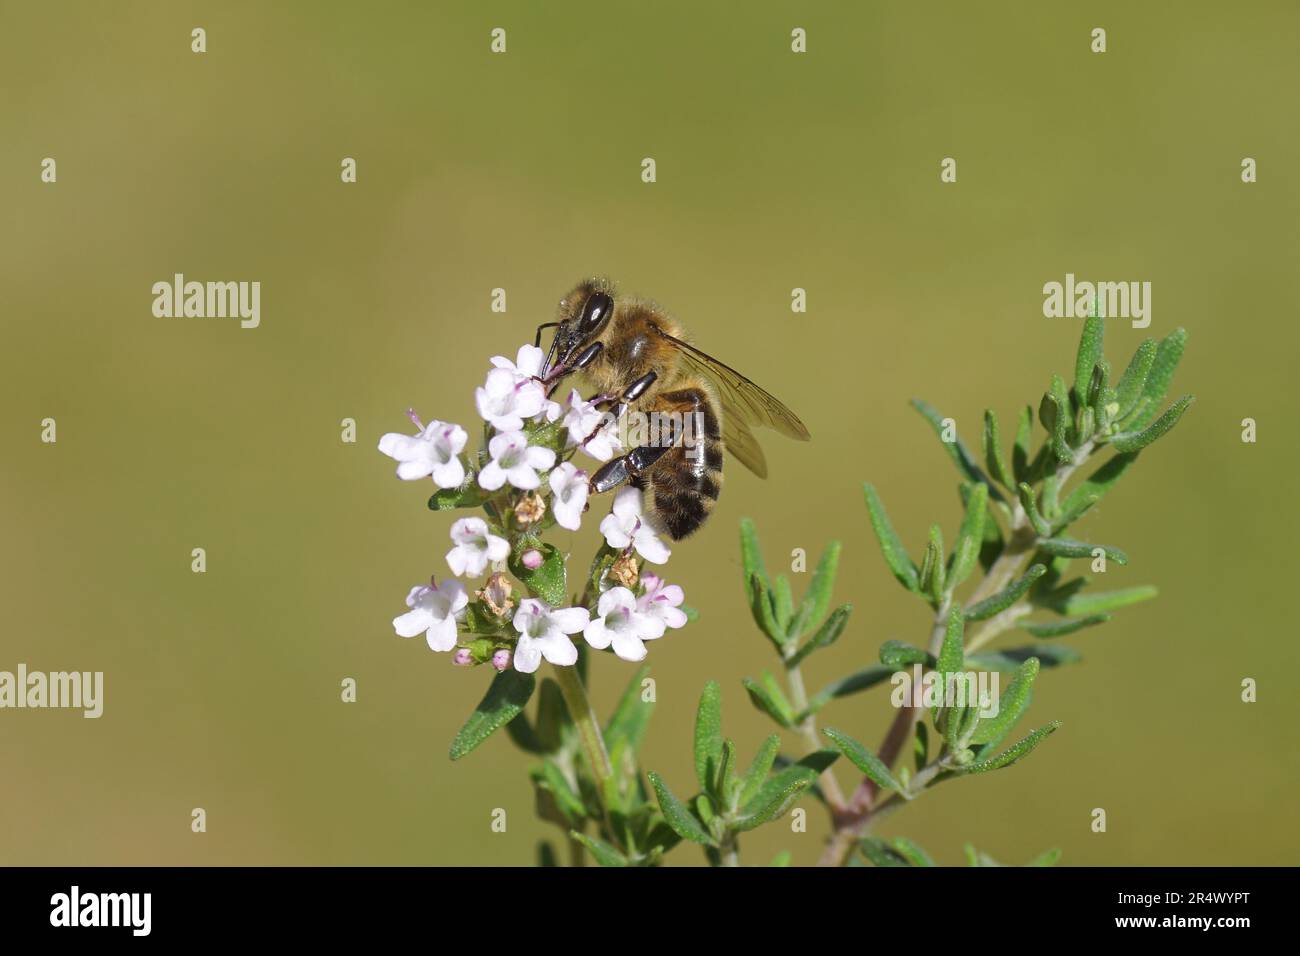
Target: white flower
x,y
618,622
475,547
514,460
542,631
434,450
569,487
623,527
506,400
528,365
433,610
582,419
662,601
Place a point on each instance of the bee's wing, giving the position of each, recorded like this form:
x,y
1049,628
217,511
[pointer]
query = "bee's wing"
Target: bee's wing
x,y
742,400
740,441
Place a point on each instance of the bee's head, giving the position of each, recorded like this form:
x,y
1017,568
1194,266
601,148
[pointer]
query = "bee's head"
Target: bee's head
x,y
582,315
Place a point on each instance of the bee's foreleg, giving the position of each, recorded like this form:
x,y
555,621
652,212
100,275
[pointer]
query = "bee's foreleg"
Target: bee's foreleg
x,y
630,394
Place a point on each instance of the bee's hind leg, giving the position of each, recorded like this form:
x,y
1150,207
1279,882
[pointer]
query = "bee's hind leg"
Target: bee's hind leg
x,y
614,473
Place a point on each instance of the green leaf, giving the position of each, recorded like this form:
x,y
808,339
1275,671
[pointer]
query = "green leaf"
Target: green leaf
x,y
1008,596
861,680
1029,502
880,853
1090,353
1012,753
1010,659
911,852
782,603
727,782
547,581
1161,376
1069,548
1054,413
951,654
708,735
1091,490
921,745
523,736
632,713
678,816
1131,441
1046,858
818,596
468,495
897,655
601,852
768,698
993,459
1011,706
761,766
1062,628
751,557
1088,604
763,608
546,855
957,451
503,702
771,802
782,859
1020,459
970,537
864,760
1134,378
826,635
903,567
932,568
567,801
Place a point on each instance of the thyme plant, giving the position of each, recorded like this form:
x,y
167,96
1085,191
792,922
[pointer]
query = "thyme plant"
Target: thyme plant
x,y
1012,567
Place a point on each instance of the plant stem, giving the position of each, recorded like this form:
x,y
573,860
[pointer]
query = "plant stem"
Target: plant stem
x,y
730,850
584,718
807,729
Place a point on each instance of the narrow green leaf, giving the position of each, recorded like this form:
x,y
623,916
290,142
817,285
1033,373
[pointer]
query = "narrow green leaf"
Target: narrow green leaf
x,y
1029,502
1087,604
921,745
1134,378
1069,548
932,568
826,635
523,736
503,702
771,803
632,713
951,654
864,760
1161,376
782,603
1046,858
1128,442
903,567
708,735
727,780
1011,706
911,852
761,766
678,816
1091,490
1061,628
1014,752
568,802
751,557
1006,597
817,598
1010,659
601,852
897,655
769,702
1090,353
957,451
1020,450
881,853
970,537
762,608
861,680
993,458
1054,413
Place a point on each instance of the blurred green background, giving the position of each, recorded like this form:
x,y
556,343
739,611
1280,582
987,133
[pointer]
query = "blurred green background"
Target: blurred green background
x,y
522,171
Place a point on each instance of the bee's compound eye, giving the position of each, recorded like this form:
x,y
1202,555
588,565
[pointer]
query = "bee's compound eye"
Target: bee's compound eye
x,y
594,312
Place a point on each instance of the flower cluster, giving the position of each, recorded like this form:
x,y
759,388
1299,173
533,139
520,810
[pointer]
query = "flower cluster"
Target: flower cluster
x,y
524,480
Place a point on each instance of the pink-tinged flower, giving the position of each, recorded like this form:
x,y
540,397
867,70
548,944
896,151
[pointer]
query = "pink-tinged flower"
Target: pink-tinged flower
x,y
475,547
501,659
463,657
619,622
433,451
505,400
584,418
434,609
532,559
569,495
514,460
543,634
662,601
625,527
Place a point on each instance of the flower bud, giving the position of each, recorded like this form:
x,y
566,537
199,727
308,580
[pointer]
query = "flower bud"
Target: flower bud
x,y
462,657
501,659
532,559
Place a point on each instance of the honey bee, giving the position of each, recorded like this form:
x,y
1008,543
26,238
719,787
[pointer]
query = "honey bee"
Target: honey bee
x,y
636,358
